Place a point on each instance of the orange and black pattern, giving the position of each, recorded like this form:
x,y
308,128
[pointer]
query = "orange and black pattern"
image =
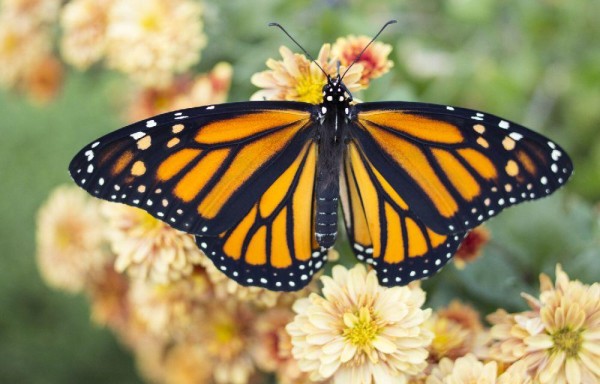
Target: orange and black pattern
x,y
258,183
457,167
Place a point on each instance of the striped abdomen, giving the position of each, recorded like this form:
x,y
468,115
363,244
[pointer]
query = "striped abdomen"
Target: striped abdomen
x,y
327,220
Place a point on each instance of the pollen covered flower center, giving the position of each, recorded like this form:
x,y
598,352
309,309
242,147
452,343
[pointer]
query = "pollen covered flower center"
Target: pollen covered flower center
x,y
568,341
361,328
310,90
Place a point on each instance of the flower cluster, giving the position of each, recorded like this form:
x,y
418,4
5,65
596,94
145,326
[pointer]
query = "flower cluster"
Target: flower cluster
x,y
26,59
186,322
151,41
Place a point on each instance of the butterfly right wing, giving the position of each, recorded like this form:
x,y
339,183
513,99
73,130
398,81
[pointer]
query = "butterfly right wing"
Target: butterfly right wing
x,y
384,231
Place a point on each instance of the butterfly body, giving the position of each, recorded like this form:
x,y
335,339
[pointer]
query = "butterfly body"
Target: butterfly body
x,y
259,183
333,116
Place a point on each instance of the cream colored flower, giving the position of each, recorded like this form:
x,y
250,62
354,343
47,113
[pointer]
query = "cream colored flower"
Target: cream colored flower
x,y
169,310
22,46
84,24
153,40
465,370
187,363
148,248
272,348
457,330
70,242
184,92
450,338
469,370
374,60
32,11
225,332
559,340
296,78
359,331
108,292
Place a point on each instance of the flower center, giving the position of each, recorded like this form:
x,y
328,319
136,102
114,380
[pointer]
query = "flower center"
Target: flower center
x,y
309,90
361,328
10,43
150,21
568,341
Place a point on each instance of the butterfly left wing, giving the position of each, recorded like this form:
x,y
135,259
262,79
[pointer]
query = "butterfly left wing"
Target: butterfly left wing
x,y
383,229
456,167
273,245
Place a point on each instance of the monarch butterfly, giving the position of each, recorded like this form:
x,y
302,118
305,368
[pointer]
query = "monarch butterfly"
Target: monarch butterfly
x,y
258,183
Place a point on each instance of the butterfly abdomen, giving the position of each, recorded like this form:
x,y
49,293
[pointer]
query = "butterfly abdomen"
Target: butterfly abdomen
x,y
326,218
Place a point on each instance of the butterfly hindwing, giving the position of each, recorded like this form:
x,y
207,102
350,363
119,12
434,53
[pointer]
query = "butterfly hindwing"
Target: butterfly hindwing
x,y
273,245
456,167
199,169
383,229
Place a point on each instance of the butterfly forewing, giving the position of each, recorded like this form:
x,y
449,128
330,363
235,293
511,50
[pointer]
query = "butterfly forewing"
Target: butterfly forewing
x,y
273,245
456,167
199,169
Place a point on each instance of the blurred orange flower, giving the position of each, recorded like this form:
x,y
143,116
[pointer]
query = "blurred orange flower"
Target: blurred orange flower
x,y
374,60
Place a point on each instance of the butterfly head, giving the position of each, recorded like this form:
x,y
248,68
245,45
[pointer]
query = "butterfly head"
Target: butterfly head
x,y
335,92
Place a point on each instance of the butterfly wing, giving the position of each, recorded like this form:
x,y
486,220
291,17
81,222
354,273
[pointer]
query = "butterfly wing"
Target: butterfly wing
x,y
273,245
201,169
456,167
384,230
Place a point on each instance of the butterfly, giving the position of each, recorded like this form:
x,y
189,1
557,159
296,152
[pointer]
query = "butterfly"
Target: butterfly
x,y
259,183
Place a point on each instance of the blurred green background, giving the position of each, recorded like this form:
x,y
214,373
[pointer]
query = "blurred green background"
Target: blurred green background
x,y
537,63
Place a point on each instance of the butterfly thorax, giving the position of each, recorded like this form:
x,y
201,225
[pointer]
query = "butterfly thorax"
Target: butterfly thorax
x,y
333,115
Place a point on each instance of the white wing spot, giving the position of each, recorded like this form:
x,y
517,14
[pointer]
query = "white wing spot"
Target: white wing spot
x,y
515,136
101,181
150,123
503,124
90,168
544,180
95,144
450,108
210,107
137,135
555,154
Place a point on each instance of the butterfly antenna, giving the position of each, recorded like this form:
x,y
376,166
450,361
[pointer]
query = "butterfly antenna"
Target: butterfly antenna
x,y
298,44
367,46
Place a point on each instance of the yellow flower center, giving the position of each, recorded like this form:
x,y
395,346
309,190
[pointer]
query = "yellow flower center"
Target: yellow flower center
x,y
310,90
148,222
68,235
150,21
361,328
10,43
568,341
225,331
